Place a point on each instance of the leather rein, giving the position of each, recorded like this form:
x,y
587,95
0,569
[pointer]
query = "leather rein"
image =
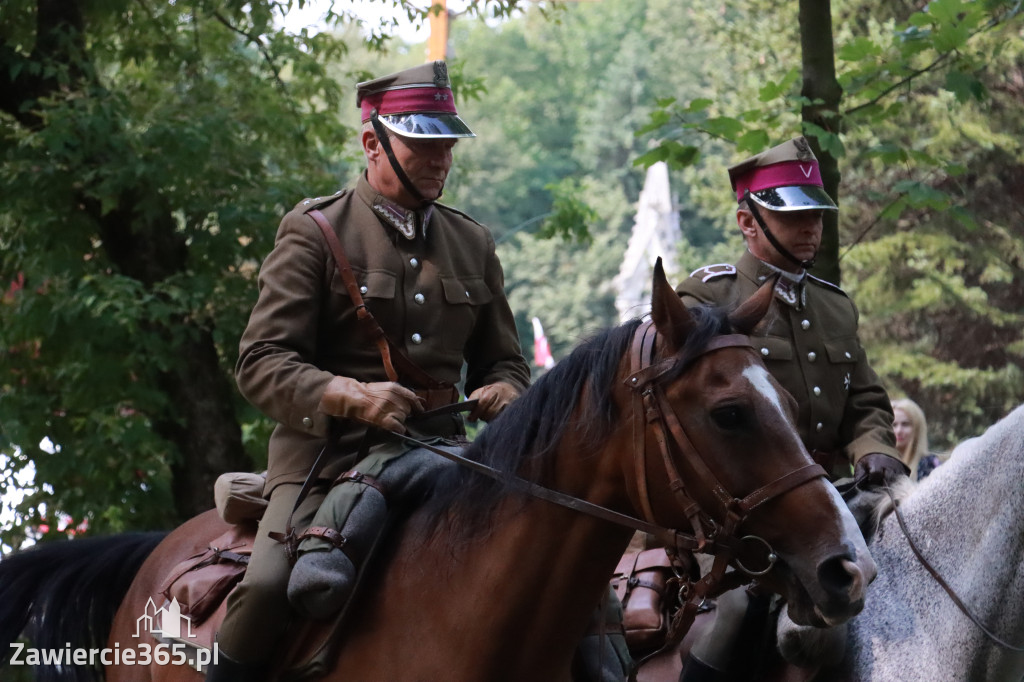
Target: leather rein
x,y
942,582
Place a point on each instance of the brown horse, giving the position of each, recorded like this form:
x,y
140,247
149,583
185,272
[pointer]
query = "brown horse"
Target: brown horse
x,y
483,582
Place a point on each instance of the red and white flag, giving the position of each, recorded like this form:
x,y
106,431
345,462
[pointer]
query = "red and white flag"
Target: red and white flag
x,y
541,352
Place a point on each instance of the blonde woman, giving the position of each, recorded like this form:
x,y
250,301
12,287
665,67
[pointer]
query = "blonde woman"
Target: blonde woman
x,y
912,437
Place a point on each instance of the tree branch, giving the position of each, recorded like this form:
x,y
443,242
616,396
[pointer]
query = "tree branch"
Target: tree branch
x,y
993,23
864,232
260,46
896,86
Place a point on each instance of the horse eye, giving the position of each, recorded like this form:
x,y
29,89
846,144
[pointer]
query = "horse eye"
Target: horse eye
x,y
729,418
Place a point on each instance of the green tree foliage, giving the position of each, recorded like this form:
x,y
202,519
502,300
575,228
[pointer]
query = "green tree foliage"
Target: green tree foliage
x,y
138,144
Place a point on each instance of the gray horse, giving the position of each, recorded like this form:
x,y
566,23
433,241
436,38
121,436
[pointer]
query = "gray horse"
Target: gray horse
x,y
967,518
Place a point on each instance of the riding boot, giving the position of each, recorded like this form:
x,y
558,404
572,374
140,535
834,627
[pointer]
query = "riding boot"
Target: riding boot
x,y
326,572
226,669
603,655
733,645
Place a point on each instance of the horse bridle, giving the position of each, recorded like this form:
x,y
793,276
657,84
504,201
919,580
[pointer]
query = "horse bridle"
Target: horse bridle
x,y
652,411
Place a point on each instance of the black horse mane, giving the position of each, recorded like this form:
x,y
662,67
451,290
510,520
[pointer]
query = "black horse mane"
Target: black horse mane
x,y
65,593
524,438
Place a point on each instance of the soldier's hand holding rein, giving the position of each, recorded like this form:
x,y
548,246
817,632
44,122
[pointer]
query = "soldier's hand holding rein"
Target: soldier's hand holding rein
x,y
384,404
492,399
879,469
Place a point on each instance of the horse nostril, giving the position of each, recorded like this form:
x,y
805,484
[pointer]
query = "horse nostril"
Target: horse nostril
x,y
842,578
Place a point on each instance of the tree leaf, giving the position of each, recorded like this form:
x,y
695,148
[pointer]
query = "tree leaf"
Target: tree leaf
x,y
723,126
858,49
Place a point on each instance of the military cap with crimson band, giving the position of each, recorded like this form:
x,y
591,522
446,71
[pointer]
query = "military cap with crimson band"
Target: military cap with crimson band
x,y
416,102
784,178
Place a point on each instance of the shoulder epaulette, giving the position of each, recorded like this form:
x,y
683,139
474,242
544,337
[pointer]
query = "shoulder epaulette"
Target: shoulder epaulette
x,y
710,272
309,204
460,213
826,284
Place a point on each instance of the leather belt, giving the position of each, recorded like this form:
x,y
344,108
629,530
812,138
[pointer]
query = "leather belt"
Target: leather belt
x,y
434,398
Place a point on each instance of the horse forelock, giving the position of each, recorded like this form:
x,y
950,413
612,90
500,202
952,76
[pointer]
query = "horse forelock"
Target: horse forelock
x,y
709,322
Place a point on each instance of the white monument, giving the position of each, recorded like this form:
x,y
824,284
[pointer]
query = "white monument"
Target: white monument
x,y
655,233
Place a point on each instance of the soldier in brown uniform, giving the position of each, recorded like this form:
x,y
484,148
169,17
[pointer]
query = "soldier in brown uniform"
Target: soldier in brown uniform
x,y
427,273
809,344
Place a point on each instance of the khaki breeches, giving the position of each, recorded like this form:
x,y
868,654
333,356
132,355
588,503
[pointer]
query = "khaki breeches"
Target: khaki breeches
x,y
258,611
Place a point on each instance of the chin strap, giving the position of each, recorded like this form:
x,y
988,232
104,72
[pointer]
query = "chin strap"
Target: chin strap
x,y
752,205
385,142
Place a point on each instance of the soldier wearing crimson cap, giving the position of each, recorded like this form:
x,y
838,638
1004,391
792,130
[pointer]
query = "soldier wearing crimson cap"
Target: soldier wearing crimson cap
x,y
809,342
429,276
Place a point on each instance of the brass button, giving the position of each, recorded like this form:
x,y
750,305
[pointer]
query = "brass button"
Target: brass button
x,y
416,338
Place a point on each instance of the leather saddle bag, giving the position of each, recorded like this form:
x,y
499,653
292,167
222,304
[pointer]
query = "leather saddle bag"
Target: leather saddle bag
x,y
201,582
642,581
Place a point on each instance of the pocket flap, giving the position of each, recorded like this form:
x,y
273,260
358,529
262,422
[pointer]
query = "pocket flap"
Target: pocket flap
x,y
471,290
773,348
842,350
372,284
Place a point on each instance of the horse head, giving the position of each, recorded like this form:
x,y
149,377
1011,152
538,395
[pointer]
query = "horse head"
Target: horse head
x,y
723,457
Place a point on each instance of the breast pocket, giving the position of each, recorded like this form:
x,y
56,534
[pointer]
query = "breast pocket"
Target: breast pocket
x,y
463,297
377,289
842,357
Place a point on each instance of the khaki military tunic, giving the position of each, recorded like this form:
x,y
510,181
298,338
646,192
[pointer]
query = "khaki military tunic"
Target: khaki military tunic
x,y
811,347
439,294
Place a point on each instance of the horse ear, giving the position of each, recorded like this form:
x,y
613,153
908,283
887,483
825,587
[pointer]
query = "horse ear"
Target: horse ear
x,y
671,318
749,313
